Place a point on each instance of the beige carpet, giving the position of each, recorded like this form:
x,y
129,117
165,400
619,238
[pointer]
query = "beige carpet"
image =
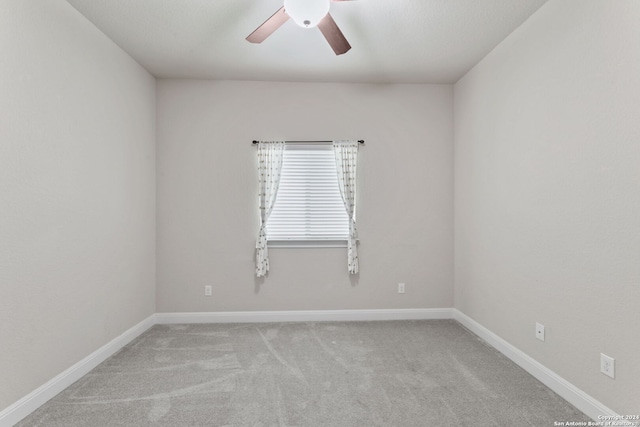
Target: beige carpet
x,y
400,373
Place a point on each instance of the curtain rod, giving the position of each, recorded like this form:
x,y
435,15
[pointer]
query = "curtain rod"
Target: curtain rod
x,y
361,141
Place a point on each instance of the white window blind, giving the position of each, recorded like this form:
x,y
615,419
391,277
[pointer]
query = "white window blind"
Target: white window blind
x,y
308,206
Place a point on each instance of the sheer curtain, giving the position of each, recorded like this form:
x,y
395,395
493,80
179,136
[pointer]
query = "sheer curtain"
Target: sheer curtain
x,y
346,154
269,168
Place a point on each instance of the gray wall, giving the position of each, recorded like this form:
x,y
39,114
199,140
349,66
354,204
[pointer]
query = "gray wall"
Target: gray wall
x,y
77,211
207,198
547,192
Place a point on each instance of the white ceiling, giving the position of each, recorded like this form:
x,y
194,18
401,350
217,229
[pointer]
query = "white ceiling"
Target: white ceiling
x,y
404,41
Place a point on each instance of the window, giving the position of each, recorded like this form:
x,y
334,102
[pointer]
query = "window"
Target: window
x,y
308,209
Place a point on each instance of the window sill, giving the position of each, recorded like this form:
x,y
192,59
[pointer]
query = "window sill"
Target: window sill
x,y
277,244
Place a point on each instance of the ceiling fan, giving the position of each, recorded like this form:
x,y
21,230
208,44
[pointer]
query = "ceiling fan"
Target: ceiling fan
x,y
307,14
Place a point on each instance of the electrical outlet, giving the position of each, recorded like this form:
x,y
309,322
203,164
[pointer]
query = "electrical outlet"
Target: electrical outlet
x,y
401,288
540,331
207,291
607,365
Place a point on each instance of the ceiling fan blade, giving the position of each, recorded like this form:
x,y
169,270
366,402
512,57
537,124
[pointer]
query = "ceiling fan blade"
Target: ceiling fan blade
x,y
334,36
268,26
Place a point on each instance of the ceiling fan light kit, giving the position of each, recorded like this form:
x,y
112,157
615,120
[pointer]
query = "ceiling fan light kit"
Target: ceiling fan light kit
x,y
306,14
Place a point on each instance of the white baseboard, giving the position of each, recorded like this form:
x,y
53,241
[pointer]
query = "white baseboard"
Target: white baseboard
x,y
32,401
304,316
572,394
